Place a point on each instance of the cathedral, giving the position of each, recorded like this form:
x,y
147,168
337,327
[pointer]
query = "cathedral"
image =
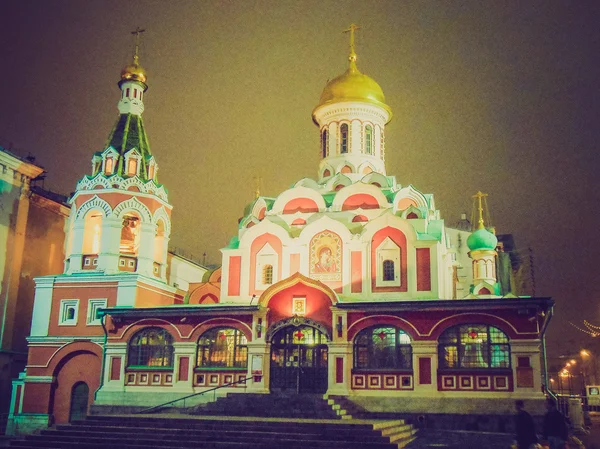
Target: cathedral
x,y
350,284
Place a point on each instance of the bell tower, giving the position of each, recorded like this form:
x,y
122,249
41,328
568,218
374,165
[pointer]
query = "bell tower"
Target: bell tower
x,y
120,214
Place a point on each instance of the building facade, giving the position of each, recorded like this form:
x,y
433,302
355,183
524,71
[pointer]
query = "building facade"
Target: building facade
x,y
348,284
32,230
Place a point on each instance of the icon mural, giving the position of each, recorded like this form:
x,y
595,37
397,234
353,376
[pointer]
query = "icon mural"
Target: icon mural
x,y
326,257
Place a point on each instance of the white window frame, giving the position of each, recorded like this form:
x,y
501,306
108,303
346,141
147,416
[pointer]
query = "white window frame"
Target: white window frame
x,y
65,306
388,250
93,306
266,256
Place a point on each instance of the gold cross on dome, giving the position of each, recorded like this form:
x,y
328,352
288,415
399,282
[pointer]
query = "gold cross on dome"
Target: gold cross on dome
x,y
351,30
138,31
479,195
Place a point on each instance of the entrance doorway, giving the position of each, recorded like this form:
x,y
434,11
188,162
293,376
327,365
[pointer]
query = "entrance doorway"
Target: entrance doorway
x,y
79,401
299,360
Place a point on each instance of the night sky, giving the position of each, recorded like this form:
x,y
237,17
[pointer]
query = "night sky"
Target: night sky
x,y
497,96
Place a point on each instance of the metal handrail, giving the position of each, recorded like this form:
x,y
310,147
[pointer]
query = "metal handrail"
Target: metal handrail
x,y
158,407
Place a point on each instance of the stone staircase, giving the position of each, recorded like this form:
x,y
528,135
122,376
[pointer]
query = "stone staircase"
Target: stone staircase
x,y
240,420
150,431
274,405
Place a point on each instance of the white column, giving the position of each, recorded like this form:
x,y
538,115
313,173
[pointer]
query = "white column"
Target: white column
x,y
336,351
145,262
259,358
425,349
112,351
185,349
108,259
76,256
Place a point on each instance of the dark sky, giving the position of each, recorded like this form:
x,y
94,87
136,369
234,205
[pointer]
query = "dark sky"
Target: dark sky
x,y
498,96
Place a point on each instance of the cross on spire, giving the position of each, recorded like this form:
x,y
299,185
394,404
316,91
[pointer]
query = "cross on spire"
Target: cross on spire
x,y
351,30
257,183
479,195
138,31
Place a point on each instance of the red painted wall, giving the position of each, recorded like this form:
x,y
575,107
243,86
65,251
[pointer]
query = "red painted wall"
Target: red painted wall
x,y
399,239
83,294
425,370
79,367
360,200
235,265
423,270
318,304
300,205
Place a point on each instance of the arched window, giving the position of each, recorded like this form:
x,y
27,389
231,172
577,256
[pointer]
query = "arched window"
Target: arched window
x,y
473,346
324,136
382,347
388,270
344,138
92,231
223,347
267,275
130,234
109,166
368,139
150,347
132,167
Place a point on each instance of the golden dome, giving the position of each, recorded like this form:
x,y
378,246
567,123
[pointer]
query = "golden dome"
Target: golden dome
x,y
352,85
133,72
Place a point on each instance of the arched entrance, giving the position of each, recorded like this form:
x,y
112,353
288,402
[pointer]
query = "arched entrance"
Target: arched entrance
x,y
299,359
79,401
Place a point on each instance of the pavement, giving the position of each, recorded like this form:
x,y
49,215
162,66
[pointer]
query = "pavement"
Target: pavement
x,y
448,439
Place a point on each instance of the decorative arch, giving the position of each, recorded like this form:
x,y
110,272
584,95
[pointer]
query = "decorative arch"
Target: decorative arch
x,y
300,194
360,201
475,317
69,350
359,219
412,212
133,181
133,204
303,205
409,196
134,327
390,320
205,326
375,178
209,298
296,278
389,236
297,321
363,191
95,203
161,214
347,168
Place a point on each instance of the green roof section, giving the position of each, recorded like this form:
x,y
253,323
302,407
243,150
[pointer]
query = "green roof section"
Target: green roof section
x,y
127,134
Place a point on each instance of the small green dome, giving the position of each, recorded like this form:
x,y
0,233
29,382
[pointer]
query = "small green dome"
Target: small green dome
x,y
482,239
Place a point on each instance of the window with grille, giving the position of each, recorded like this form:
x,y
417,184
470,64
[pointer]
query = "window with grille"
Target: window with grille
x,y
344,138
388,270
151,347
369,139
474,346
324,136
382,347
222,347
267,277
